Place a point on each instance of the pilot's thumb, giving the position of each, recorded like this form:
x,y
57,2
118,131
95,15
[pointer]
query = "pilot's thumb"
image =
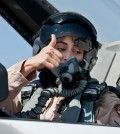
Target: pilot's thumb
x,y
53,40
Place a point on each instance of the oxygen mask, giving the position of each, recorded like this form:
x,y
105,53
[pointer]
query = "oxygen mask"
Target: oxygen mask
x,y
69,71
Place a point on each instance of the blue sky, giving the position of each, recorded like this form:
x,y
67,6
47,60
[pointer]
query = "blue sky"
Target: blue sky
x,y
104,14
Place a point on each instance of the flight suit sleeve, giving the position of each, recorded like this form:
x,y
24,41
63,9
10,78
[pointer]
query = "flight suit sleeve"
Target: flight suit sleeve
x,y
108,112
15,82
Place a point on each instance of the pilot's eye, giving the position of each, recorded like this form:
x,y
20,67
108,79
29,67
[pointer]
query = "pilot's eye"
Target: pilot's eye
x,y
60,49
60,46
77,52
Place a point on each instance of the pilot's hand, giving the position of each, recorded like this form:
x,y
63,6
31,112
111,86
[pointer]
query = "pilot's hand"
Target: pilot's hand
x,y
48,57
51,110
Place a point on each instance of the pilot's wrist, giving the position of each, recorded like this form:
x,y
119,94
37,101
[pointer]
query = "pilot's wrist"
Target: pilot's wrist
x,y
28,70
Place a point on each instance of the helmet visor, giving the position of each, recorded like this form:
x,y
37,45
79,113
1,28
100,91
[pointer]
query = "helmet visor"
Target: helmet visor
x,y
81,36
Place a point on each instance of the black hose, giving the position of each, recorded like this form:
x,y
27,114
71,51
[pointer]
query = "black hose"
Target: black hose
x,y
75,91
48,93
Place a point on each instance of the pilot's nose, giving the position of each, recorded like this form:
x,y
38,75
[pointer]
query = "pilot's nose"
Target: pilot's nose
x,y
66,56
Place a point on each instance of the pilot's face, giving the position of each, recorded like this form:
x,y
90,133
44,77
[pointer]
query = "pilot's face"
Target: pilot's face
x,y
69,49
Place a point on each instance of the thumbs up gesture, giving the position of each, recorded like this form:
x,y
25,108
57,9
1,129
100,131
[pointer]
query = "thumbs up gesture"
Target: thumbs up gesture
x,y
48,57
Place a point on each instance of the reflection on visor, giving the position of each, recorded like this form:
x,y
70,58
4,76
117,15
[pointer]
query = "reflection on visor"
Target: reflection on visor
x,y
85,44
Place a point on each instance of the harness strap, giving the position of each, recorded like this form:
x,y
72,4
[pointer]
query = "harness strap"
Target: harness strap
x,y
72,112
82,107
87,112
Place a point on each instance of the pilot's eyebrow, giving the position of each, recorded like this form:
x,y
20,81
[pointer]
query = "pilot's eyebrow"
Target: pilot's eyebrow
x,y
62,42
66,43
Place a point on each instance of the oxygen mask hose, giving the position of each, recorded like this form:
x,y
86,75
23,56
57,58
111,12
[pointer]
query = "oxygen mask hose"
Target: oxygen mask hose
x,y
51,92
38,109
75,91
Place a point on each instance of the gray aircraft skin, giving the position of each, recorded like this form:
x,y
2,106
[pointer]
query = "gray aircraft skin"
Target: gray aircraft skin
x,y
18,13
108,64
